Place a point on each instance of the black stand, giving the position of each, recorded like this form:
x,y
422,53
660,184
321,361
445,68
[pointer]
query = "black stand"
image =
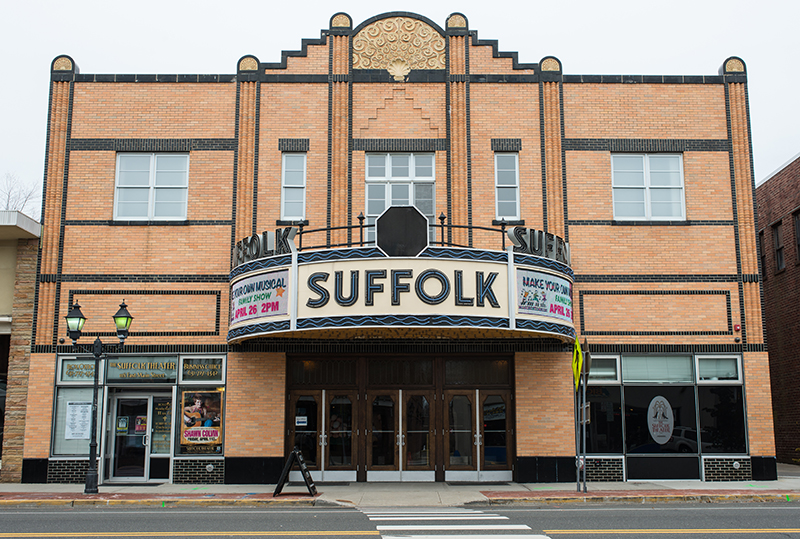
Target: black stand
x,y
298,456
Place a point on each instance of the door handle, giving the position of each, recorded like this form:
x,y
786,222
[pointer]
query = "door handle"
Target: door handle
x,y
145,440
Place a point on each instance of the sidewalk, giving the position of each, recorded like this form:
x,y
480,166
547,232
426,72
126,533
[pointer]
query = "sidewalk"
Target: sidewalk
x,y
785,489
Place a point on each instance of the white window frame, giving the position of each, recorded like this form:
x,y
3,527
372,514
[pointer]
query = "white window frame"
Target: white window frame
x,y
498,187
285,216
736,382
152,188
648,188
387,180
606,381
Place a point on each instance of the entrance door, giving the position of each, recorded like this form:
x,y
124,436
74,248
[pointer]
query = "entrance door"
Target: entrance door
x,y
477,435
400,435
142,427
322,425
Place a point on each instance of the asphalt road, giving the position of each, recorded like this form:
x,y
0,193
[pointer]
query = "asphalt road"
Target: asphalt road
x,y
515,522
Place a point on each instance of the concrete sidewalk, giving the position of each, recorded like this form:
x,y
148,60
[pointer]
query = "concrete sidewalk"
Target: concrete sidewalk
x,y
785,489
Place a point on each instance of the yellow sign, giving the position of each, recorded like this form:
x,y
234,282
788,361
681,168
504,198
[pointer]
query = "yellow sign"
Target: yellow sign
x,y
577,362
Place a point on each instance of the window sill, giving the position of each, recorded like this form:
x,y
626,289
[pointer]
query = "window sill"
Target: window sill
x,y
617,222
177,222
299,222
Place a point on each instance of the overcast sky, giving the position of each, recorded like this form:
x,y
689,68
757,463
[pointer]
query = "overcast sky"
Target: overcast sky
x,y
589,37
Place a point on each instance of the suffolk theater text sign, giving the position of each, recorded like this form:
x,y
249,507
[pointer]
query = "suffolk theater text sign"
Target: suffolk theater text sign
x,y
276,289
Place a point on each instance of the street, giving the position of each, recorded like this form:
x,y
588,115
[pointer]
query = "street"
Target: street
x,y
510,522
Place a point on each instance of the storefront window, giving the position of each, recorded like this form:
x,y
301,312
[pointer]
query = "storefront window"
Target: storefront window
x,y
73,419
660,419
604,432
201,426
722,419
657,369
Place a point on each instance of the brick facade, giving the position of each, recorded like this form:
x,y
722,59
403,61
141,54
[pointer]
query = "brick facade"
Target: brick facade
x,y
640,287
778,204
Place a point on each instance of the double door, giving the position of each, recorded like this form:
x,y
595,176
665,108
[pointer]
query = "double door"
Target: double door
x,y
402,434
139,437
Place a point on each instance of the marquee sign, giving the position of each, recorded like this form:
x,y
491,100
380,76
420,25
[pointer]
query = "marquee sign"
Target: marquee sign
x,y
512,290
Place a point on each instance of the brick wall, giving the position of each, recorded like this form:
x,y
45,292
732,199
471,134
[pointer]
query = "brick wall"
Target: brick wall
x,y
777,198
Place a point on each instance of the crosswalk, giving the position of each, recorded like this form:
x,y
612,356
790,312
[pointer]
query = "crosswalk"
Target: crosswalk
x,y
440,524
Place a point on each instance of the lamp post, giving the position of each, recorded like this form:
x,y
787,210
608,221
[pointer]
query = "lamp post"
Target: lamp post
x,y
75,321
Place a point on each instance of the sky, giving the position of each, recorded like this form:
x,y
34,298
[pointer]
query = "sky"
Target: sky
x,y
616,37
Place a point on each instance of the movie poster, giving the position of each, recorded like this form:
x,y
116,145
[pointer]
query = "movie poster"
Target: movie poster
x,y
201,422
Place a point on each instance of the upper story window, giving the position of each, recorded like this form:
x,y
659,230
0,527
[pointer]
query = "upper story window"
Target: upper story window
x,y
777,240
648,187
506,181
400,179
293,187
151,186
796,219
763,252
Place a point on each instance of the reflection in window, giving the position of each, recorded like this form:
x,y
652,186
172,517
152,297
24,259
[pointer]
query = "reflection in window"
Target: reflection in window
x,y
604,432
494,431
461,431
340,439
722,419
418,418
305,430
383,431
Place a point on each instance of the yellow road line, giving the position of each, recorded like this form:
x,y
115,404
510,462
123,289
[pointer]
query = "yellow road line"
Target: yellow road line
x,y
673,531
183,534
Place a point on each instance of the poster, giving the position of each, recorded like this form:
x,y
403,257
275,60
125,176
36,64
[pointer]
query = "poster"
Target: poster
x,y
79,420
201,421
544,294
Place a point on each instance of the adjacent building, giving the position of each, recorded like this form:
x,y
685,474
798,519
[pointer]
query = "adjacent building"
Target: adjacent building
x,y
778,200
380,250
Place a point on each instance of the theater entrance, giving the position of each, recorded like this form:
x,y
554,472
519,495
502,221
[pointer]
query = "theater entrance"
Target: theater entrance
x,y
401,419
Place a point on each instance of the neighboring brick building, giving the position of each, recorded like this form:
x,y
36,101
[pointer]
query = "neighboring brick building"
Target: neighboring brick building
x,y
424,347
779,233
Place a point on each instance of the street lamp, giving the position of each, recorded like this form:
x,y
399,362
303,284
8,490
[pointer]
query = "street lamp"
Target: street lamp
x,y
75,321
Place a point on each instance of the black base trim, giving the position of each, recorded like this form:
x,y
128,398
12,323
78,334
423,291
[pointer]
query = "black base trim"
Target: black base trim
x,y
253,470
672,467
545,470
764,468
34,470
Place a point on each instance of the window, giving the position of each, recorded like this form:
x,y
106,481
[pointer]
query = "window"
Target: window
x,y
506,181
657,369
796,219
605,370
151,186
293,182
648,187
718,369
400,179
777,239
763,253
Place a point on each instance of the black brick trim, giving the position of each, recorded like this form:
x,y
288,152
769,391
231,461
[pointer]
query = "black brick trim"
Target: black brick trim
x,y
152,145
128,278
506,145
399,145
500,54
293,144
613,222
141,78
521,79
644,79
725,293
646,145
415,76
732,278
140,292
111,222
599,348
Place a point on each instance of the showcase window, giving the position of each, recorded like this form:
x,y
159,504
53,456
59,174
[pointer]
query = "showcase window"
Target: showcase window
x,y
151,186
648,187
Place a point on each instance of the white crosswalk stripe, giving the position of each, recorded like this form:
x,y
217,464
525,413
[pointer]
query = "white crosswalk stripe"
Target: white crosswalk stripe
x,y
461,523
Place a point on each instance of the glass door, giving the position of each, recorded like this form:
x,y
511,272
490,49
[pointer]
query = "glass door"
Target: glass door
x,y
141,437
383,437
305,421
417,439
496,434
461,437
340,439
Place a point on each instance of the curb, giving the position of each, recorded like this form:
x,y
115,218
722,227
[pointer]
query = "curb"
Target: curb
x,y
159,502
704,498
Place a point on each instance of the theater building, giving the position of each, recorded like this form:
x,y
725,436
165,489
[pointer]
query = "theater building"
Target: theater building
x,y
381,250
